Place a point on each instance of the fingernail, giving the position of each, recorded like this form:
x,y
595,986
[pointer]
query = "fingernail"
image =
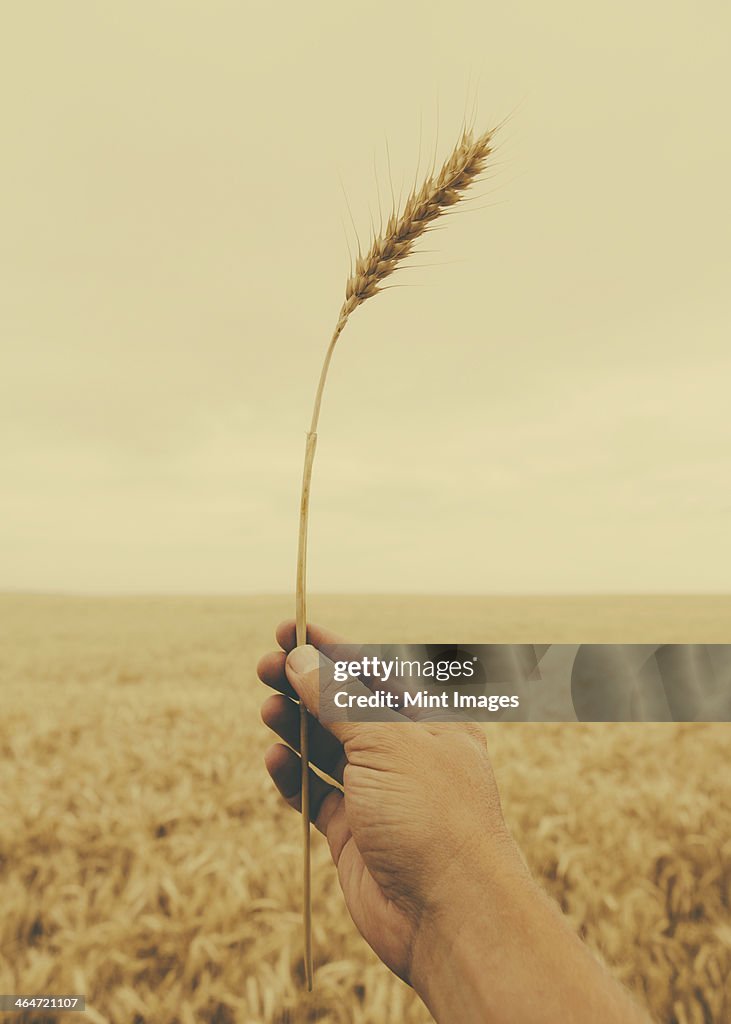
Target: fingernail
x,y
303,660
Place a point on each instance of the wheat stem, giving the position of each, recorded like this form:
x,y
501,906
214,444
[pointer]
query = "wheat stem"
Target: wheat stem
x,y
387,252
301,630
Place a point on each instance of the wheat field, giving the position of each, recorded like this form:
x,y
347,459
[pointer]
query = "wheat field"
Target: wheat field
x,y
146,862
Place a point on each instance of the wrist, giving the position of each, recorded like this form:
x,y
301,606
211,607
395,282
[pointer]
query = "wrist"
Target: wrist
x,y
500,950
460,946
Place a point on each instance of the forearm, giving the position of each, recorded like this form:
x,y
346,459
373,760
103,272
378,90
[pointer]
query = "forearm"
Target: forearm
x,y
502,952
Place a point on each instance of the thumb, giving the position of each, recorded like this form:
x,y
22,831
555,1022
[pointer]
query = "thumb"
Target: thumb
x,y
312,675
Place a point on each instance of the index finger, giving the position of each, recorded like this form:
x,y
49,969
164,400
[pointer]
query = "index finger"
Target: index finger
x,y
286,634
333,646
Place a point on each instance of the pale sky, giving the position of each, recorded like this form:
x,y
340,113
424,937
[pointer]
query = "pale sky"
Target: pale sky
x,y
545,407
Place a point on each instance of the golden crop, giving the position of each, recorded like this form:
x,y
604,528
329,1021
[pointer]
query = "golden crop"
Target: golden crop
x,y
146,861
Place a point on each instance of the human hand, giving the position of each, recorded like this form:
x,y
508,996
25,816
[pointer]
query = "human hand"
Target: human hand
x,y
419,806
428,869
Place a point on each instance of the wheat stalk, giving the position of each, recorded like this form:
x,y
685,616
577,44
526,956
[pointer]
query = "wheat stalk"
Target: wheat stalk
x,y
387,252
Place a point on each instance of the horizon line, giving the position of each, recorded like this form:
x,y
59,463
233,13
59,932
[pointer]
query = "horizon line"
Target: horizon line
x,y
232,594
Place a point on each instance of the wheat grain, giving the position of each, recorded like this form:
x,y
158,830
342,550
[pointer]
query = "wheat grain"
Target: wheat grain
x,y
388,250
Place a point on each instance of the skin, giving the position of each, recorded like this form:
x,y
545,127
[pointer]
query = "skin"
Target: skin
x,y
429,871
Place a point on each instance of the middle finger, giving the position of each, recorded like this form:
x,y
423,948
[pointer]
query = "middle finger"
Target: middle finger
x,y
283,716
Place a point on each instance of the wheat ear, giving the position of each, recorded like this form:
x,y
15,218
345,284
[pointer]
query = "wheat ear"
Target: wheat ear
x,y
386,253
